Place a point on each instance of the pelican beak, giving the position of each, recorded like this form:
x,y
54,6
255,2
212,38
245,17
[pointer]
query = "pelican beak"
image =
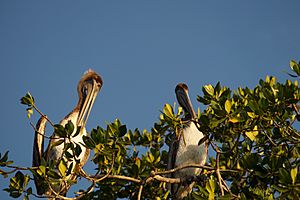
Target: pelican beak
x,y
184,100
90,93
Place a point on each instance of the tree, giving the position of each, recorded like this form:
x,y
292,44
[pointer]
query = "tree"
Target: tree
x,y
252,132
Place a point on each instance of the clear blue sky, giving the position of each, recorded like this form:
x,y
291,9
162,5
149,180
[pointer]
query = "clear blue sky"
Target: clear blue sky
x,y
142,49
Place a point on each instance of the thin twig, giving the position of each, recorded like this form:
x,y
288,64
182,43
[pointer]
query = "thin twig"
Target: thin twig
x,y
42,114
103,176
21,168
45,136
195,166
226,186
217,150
296,108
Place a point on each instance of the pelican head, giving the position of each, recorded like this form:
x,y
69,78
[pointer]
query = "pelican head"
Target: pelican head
x,y
88,88
184,101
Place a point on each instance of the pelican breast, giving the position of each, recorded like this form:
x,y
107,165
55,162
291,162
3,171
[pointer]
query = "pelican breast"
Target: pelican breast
x,y
189,152
55,153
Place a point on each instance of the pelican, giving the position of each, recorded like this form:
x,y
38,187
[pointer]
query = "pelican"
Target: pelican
x,y
88,88
185,148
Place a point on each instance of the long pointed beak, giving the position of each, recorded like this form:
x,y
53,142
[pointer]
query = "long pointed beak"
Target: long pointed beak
x,y
84,112
185,102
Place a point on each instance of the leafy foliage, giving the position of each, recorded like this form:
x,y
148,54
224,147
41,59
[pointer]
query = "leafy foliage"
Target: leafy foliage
x,y
253,133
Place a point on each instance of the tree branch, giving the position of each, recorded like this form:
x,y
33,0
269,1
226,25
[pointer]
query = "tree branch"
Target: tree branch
x,y
140,192
42,114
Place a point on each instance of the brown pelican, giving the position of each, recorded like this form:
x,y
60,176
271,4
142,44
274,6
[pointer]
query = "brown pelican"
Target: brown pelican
x,y
88,88
185,148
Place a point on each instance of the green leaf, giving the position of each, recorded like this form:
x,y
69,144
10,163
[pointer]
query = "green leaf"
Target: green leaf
x,y
29,112
208,89
122,130
41,170
150,157
27,100
228,106
234,119
77,131
60,131
284,176
78,150
210,187
89,142
294,172
17,184
168,111
68,155
138,163
255,107
251,114
69,171
249,160
53,174
295,67
4,158
252,134
69,128
62,168
57,143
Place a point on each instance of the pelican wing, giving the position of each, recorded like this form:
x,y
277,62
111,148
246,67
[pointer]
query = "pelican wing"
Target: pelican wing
x,y
173,148
38,150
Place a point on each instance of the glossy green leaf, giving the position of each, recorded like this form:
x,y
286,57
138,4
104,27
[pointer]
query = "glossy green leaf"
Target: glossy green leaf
x,y
60,131
284,176
294,172
150,157
41,170
69,128
168,111
57,143
89,142
4,158
29,112
252,134
228,106
208,89
27,100
210,187
62,167
68,155
70,168
295,67
77,150
251,114
53,174
122,130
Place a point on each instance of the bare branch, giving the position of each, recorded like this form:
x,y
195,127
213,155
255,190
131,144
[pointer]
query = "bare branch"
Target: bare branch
x,y
167,180
140,192
126,178
195,166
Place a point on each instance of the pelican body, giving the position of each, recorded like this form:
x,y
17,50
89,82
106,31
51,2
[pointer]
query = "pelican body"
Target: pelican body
x,y
88,88
185,148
